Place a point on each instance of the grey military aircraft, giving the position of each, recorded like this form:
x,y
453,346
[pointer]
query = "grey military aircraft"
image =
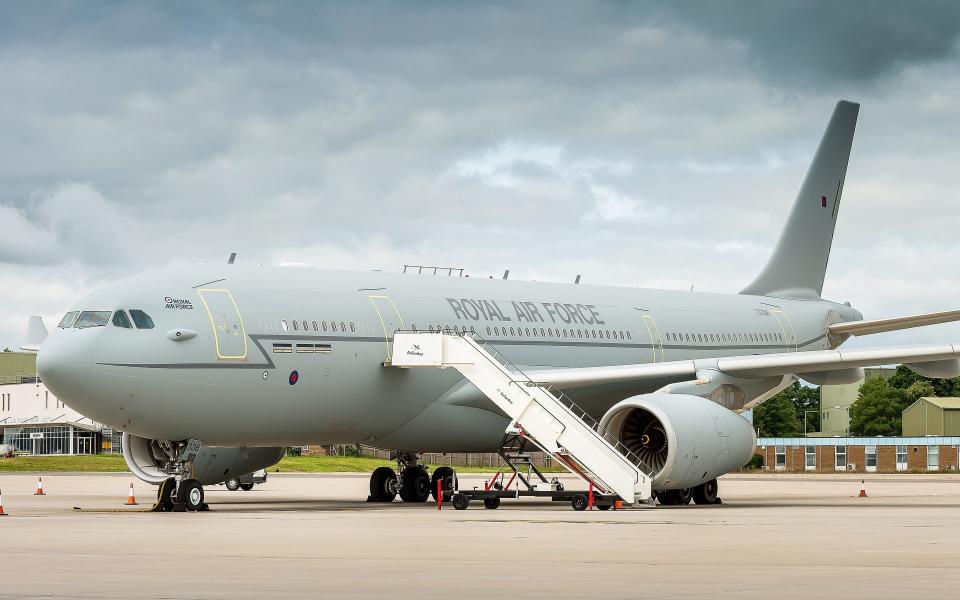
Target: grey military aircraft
x,y
211,370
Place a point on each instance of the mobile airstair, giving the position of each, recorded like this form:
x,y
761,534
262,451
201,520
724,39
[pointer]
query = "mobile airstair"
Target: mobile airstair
x,y
540,413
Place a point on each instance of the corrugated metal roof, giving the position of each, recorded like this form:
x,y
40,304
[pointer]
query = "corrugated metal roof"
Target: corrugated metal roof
x,y
947,403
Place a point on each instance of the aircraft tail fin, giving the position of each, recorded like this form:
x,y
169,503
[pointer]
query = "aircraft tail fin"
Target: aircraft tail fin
x,y
799,261
36,333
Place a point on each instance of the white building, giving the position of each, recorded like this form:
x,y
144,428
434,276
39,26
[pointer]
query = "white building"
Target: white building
x,y
34,421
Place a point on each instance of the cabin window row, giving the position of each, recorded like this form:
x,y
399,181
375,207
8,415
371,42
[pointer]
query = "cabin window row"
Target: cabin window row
x,y
548,332
720,338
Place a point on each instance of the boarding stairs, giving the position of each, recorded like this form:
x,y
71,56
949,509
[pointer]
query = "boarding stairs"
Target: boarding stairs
x,y
542,413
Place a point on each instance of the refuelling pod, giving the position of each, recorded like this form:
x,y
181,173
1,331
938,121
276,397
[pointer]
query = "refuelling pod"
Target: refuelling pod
x,y
937,369
686,440
212,465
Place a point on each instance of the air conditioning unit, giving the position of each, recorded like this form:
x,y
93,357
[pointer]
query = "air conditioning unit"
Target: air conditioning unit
x,y
851,466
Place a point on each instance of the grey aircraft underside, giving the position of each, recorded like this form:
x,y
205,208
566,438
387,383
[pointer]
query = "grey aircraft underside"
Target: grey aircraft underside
x,y
261,356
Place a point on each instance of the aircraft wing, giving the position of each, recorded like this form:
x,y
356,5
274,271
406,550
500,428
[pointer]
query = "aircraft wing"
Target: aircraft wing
x,y
933,361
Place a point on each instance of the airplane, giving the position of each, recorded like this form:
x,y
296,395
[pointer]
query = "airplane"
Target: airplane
x,y
212,370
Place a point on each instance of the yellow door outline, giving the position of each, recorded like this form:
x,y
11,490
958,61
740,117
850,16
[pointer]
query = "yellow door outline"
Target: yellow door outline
x,y
387,335
213,324
777,313
656,340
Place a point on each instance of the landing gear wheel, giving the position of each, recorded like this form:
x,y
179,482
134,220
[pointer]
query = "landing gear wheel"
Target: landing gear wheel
x,y
668,497
165,495
684,496
232,484
706,493
492,503
190,494
246,486
416,485
445,474
461,501
383,485
579,502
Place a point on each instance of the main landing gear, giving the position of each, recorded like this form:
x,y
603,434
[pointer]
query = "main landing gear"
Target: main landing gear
x,y
180,493
412,485
705,493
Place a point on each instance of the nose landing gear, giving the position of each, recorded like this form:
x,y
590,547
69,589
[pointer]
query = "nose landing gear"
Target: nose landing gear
x,y
180,493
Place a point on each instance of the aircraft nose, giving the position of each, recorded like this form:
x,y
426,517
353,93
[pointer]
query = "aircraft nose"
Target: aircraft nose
x,y
64,363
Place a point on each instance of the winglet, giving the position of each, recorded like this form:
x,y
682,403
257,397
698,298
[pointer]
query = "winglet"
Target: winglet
x,y
799,261
36,333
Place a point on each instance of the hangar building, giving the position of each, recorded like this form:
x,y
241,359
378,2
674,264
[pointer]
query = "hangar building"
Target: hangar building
x,y
932,416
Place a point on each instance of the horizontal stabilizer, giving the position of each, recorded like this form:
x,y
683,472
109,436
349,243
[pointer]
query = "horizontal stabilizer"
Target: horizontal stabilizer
x,y
893,324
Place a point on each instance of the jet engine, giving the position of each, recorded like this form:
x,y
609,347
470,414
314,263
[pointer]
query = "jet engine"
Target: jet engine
x,y
685,440
212,465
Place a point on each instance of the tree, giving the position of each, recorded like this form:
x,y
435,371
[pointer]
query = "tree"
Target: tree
x,y
904,378
878,409
919,389
777,417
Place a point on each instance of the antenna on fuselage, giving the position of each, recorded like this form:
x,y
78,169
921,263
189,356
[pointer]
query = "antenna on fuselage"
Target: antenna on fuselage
x,y
577,280
233,257
506,273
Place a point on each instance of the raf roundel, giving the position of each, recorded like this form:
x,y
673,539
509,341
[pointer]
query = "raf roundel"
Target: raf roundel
x,y
294,377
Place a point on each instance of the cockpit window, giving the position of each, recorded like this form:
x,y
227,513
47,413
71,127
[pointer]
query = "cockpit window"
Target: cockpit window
x,y
93,318
141,319
68,319
120,319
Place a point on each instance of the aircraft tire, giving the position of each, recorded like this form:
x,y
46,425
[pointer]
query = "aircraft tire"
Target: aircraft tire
x,y
383,485
684,496
445,474
705,493
416,485
232,484
190,494
668,497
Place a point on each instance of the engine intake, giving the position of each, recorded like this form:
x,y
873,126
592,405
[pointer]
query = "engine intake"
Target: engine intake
x,y
686,440
212,465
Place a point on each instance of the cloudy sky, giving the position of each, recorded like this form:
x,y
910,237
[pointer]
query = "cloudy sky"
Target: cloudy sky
x,y
638,144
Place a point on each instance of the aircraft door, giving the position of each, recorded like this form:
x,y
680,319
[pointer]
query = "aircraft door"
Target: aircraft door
x,y
789,334
390,319
654,337
230,337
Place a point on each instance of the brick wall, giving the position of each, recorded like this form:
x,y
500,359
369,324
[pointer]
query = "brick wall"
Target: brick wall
x,y
886,459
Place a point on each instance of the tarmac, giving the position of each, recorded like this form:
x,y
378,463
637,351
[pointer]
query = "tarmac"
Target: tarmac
x,y
775,536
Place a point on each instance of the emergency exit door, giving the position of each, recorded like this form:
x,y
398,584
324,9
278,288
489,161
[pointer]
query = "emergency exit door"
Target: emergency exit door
x,y
390,318
230,337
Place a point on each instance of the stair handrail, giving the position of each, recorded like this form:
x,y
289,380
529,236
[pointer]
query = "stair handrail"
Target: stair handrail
x,y
500,359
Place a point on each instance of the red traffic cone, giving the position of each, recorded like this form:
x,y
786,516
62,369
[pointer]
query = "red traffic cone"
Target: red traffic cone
x,y
131,501
863,490
39,491
2,514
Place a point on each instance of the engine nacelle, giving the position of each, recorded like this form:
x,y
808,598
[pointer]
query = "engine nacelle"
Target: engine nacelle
x,y
212,464
687,440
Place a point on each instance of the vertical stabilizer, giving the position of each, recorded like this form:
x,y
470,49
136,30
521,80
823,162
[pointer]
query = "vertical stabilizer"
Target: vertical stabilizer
x,y
799,260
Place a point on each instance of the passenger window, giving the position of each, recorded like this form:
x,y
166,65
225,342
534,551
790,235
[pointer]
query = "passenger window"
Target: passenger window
x,y
628,336
120,319
295,325
343,327
69,319
352,329
93,318
333,326
323,325
315,328
283,324
141,319
511,331
527,331
488,330
564,333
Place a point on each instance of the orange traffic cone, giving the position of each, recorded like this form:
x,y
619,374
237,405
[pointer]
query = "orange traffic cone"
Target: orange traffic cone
x,y
131,501
863,490
2,514
39,491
